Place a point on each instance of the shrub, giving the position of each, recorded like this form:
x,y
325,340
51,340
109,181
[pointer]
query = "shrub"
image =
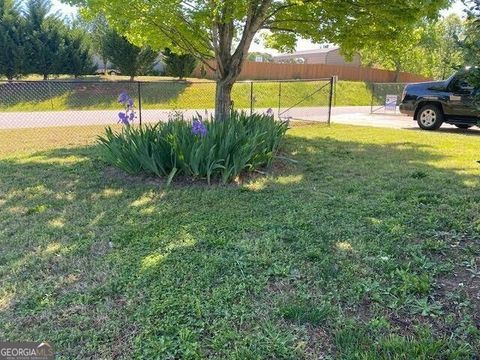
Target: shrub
x,y
177,65
198,149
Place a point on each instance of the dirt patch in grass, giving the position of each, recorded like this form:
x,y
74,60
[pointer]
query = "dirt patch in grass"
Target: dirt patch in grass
x,y
464,281
320,343
279,287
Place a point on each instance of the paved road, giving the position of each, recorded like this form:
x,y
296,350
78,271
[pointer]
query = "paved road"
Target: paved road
x,y
15,120
354,115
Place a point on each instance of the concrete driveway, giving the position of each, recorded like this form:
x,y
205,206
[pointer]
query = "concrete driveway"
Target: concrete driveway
x,y
388,120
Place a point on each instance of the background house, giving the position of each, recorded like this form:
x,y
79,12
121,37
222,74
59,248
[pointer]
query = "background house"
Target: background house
x,y
325,55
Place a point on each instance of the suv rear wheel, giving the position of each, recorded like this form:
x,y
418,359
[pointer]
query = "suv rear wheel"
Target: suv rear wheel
x,y
430,117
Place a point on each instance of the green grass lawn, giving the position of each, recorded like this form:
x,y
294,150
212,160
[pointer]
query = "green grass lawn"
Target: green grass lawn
x,y
366,247
192,94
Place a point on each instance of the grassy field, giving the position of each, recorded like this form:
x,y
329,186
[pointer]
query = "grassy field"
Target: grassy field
x,y
191,94
365,247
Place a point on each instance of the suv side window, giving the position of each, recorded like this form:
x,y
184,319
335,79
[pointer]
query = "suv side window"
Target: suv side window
x,y
461,85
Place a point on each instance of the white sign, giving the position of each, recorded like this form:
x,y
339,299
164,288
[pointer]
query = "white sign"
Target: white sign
x,y
391,102
259,58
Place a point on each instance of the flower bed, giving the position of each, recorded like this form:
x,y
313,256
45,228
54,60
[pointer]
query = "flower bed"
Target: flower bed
x,y
198,149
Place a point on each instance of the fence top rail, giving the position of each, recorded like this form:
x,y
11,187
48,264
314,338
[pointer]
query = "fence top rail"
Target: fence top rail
x,y
160,81
286,80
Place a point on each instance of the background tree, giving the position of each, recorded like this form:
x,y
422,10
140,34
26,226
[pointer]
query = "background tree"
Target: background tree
x,y
77,57
177,65
396,52
12,47
430,48
45,34
471,44
98,30
131,60
451,31
223,30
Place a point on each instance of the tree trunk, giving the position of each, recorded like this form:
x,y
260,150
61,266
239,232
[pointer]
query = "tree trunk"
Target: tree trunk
x,y
229,65
223,99
398,69
45,76
132,77
105,69
397,75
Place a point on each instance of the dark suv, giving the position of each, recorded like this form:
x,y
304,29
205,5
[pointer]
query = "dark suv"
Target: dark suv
x,y
452,101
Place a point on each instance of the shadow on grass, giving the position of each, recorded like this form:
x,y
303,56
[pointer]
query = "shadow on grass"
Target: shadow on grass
x,y
106,268
28,95
105,94
82,95
474,131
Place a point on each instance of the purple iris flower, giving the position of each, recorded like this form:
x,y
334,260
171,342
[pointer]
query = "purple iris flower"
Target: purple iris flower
x,y
129,115
123,97
123,118
270,112
199,128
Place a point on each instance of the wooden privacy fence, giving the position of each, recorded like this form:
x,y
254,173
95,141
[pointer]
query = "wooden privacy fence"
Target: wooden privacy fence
x,y
272,71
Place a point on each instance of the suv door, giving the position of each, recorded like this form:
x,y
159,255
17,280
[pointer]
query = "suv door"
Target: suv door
x,y
462,95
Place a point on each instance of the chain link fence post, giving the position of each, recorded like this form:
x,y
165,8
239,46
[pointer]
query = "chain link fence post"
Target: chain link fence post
x,y
373,98
251,97
330,100
140,102
279,98
50,93
335,81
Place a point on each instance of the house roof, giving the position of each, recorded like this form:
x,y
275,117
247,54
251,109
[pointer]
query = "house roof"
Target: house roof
x,y
310,52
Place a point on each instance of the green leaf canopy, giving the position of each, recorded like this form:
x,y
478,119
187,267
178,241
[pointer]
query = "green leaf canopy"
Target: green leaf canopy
x,y
224,29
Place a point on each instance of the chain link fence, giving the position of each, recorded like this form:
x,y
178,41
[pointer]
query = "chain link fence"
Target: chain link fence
x,y
56,103
79,109
386,97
